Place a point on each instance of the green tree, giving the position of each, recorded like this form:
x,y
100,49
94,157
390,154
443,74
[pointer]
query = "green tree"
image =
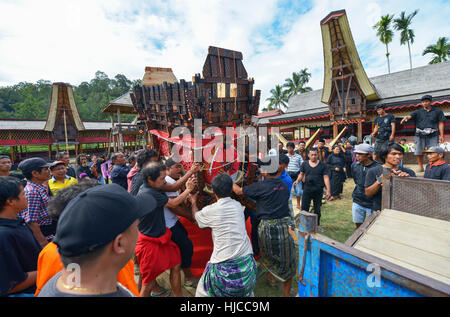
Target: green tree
x,y
440,50
295,85
385,34
403,24
278,98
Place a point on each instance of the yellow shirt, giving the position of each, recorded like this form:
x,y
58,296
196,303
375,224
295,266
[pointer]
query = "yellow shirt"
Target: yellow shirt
x,y
55,185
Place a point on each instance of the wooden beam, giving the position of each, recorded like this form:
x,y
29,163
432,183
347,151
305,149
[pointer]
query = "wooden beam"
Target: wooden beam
x,y
343,76
339,47
341,66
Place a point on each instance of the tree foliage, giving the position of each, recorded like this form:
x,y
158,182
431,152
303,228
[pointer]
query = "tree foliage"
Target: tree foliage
x,y
440,51
281,93
32,101
385,34
403,24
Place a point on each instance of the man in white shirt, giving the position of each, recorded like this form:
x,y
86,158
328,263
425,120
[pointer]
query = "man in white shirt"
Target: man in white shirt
x,y
231,270
179,233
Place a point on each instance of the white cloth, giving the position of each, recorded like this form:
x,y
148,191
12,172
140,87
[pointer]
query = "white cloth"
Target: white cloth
x,y
226,220
171,218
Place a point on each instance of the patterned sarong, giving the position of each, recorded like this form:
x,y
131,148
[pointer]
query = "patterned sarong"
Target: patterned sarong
x,y
231,278
277,248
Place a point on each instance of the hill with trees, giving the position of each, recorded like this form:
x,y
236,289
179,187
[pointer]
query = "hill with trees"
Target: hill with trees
x,y
32,100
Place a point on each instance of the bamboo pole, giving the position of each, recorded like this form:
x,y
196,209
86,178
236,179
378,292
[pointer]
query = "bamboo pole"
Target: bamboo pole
x,y
65,132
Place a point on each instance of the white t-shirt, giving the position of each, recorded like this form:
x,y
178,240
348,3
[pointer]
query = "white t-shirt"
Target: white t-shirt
x,y
226,219
171,218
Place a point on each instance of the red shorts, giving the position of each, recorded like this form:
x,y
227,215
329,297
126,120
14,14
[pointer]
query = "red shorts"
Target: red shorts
x,y
156,255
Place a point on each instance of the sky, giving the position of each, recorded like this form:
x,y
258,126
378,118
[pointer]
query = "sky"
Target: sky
x,y
68,41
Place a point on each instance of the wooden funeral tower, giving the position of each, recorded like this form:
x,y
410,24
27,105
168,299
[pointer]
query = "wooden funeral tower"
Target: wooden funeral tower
x,y
346,88
222,96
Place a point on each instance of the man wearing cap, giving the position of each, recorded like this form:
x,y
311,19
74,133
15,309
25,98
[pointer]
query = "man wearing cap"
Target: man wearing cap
x,y
59,179
37,174
94,253
429,128
437,168
64,156
384,129
362,205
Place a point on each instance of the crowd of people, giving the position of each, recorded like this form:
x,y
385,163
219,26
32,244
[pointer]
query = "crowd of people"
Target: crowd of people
x,y
112,215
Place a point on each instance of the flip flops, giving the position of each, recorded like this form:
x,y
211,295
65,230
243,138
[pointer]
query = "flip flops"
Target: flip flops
x,y
160,294
192,284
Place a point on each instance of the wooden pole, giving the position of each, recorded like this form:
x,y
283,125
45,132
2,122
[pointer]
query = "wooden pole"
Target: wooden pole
x,y
359,130
50,151
65,132
120,131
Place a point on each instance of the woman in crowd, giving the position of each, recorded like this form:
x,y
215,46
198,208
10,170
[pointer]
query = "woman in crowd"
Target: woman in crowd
x,y
336,164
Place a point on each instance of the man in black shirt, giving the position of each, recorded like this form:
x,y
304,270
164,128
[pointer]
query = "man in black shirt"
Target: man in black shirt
x,y
391,157
384,129
430,122
19,250
437,168
120,170
155,251
272,209
362,205
83,167
314,175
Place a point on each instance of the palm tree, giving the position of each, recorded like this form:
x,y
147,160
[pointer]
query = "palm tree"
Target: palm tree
x,y
278,98
385,34
407,35
295,85
441,51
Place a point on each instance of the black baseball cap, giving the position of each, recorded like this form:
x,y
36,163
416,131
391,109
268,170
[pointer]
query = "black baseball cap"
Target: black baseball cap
x,y
33,164
429,97
96,216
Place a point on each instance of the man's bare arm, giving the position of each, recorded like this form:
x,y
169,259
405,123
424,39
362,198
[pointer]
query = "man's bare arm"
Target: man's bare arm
x,y
237,190
177,185
181,212
29,281
38,234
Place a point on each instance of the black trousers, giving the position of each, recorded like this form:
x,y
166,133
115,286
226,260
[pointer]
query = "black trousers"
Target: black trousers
x,y
254,234
316,197
180,238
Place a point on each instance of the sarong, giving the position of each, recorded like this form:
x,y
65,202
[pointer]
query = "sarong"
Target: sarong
x,y
156,255
277,248
231,278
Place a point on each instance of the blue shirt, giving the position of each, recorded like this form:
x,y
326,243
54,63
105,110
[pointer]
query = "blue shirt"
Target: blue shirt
x,y
287,180
19,252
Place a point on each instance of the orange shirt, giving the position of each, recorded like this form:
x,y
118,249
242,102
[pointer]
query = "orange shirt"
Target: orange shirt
x,y
49,264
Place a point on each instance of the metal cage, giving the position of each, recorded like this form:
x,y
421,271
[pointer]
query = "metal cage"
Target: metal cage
x,y
419,196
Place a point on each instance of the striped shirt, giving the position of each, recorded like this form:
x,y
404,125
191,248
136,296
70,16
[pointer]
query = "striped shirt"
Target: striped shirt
x,y
295,161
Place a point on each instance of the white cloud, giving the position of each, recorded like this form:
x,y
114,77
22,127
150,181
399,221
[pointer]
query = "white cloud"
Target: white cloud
x,y
70,40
